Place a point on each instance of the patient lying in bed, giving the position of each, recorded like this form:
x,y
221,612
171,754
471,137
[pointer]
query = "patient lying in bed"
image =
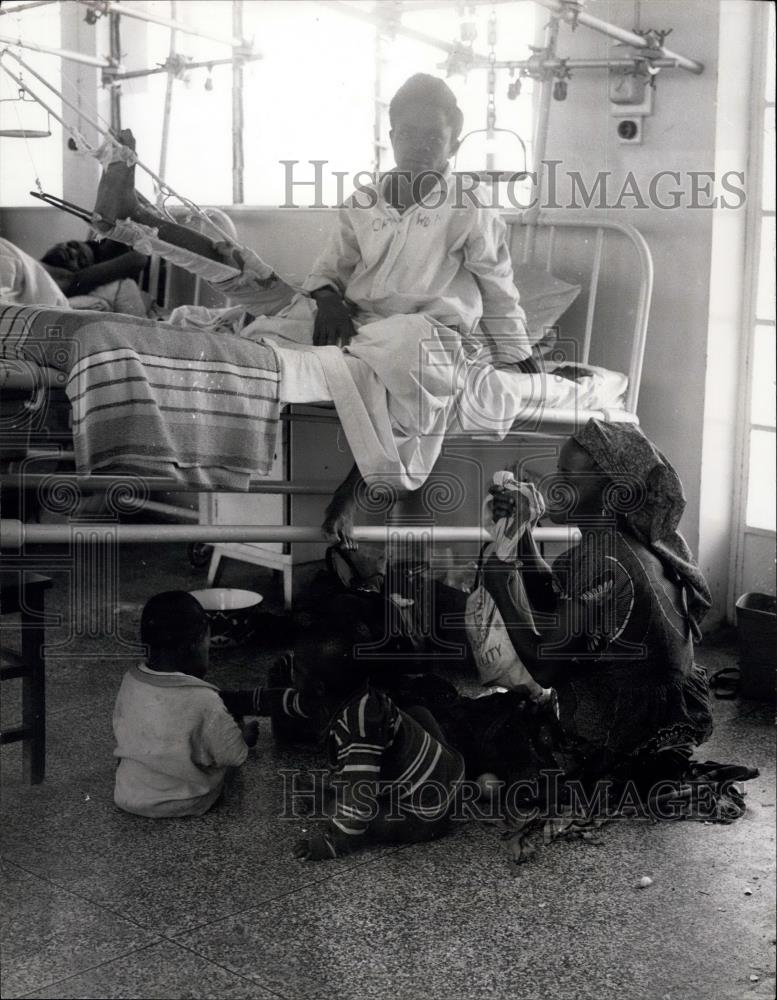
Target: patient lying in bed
x,y
411,259
98,274
78,274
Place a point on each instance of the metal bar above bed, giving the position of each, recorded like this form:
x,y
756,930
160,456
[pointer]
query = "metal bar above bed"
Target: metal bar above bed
x,y
14,534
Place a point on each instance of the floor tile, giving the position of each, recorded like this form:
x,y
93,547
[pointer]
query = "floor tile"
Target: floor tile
x,y
48,933
452,918
165,971
306,946
169,875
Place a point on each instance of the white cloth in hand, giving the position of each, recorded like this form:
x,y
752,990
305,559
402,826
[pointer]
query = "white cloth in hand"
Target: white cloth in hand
x,y
508,531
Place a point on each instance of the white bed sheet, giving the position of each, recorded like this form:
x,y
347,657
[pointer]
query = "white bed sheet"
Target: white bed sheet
x,y
492,393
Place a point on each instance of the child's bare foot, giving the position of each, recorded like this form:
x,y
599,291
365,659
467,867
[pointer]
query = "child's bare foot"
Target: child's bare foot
x,y
116,196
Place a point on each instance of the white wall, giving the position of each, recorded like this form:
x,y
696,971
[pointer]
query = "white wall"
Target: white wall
x,y
679,135
80,172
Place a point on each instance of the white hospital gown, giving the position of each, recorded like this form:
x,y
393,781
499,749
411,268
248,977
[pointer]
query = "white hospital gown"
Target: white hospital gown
x,y
433,290
449,261
434,302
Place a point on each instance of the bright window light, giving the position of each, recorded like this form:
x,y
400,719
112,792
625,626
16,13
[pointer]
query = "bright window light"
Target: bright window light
x,y
760,504
25,159
764,304
762,399
760,487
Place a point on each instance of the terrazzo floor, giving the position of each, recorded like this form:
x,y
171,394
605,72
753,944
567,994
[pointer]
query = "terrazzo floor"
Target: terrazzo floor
x,y
97,903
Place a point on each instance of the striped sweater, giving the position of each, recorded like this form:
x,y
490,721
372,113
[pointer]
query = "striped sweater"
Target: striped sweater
x,y
382,760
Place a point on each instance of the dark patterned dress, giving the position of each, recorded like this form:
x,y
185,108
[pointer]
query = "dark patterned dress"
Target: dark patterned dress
x,y
634,690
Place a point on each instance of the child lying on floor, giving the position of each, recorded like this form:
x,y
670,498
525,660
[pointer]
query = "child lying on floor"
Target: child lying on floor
x,y
394,775
175,740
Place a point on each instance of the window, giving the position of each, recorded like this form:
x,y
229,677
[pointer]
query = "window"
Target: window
x,y
760,442
515,31
319,92
25,159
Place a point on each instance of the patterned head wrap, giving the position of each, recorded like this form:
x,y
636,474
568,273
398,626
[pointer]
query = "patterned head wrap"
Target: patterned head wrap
x,y
653,502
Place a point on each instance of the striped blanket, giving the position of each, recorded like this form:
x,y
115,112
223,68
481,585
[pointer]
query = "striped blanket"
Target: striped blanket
x,y
151,399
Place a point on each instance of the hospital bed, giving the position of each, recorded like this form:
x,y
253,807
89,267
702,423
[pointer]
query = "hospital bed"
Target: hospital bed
x,y
605,327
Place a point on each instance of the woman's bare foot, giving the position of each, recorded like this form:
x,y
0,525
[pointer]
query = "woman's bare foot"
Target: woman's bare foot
x,y
338,522
338,518
116,195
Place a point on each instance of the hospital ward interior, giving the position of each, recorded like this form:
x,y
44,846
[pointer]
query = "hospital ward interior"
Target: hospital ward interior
x,y
387,484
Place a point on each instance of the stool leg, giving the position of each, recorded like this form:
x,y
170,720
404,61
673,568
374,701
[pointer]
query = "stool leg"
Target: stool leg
x,y
214,568
34,686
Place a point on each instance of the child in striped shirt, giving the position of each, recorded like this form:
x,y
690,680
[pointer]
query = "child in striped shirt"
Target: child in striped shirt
x,y
394,775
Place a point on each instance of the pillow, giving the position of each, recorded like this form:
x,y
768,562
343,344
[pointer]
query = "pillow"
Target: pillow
x,y
545,299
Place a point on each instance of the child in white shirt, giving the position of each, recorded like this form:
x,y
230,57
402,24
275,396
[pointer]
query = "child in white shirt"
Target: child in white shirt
x,y
175,739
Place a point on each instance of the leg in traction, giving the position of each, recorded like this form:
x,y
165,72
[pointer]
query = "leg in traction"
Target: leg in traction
x,y
118,199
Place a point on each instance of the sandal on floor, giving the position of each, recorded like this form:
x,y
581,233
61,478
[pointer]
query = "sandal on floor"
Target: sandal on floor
x,y
724,683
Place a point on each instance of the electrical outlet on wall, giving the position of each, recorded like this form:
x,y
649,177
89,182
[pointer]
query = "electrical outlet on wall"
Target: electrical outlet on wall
x,y
631,101
629,131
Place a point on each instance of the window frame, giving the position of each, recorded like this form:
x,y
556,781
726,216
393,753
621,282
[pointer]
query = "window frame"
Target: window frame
x,y
760,103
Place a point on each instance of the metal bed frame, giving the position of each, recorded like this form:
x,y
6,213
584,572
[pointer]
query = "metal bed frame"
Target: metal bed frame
x,y
525,247
525,234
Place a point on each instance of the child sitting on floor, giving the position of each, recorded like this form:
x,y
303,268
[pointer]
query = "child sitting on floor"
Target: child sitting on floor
x,y
394,775
175,740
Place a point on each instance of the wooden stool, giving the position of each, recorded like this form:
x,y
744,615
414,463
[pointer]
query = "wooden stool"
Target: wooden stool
x,y
24,593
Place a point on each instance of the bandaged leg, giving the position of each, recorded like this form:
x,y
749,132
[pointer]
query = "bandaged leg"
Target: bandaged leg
x,y
236,271
116,195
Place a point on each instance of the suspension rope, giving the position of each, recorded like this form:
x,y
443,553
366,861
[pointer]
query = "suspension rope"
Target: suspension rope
x,y
111,145
23,131
491,81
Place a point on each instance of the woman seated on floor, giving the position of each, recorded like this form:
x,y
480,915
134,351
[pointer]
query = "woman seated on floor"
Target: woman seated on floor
x,y
612,625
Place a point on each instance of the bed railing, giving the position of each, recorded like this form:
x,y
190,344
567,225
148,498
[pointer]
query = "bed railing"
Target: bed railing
x,y
523,242
525,247
16,534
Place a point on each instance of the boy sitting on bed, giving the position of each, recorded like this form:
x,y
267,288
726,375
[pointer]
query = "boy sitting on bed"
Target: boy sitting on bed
x,y
175,739
410,244
394,775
